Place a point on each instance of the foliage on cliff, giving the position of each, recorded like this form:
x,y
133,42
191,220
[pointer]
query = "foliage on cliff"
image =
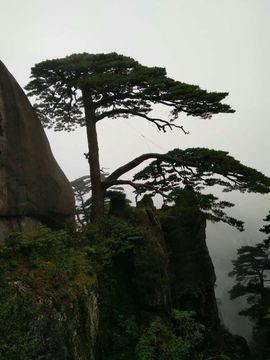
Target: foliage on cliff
x,y
177,337
135,321
45,281
49,282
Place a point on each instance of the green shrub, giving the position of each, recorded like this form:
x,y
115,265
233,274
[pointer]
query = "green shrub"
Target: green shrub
x,y
177,338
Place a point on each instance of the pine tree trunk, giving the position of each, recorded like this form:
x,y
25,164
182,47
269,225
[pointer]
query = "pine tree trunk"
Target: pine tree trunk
x,y
98,192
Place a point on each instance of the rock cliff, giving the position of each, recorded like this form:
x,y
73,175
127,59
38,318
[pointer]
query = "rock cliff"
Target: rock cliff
x,y
32,186
190,266
153,249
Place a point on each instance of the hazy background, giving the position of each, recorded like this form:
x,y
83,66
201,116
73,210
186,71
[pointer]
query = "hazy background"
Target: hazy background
x,y
221,45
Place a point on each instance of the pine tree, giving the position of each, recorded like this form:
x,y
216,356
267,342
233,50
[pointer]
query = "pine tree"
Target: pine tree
x,y
83,89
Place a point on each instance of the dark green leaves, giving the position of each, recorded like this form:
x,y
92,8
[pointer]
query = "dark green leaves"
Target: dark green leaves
x,y
204,168
197,169
113,85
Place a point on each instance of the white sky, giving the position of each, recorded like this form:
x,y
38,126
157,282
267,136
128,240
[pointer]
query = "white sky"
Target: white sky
x,y
221,45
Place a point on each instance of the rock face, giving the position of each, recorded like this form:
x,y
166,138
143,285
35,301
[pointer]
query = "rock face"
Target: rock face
x,y
184,264
31,182
154,251
190,266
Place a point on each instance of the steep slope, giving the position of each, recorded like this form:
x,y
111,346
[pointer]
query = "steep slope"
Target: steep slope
x,y
31,182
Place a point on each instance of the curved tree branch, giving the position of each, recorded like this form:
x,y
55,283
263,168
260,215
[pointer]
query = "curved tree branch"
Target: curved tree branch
x,y
137,161
161,124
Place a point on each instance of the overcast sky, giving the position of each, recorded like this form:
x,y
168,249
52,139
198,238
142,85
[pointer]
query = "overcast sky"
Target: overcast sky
x,y
221,45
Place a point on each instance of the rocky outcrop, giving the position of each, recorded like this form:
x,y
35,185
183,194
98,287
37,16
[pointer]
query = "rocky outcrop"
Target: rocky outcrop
x,y
31,182
151,258
179,249
190,266
11,224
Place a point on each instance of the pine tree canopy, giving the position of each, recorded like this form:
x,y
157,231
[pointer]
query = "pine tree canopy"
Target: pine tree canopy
x,y
115,86
266,228
82,89
201,168
195,168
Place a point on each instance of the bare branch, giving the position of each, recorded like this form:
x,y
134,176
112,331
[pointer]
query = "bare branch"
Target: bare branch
x,y
161,124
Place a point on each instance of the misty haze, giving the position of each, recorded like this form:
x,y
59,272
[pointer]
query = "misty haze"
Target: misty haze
x,y
134,178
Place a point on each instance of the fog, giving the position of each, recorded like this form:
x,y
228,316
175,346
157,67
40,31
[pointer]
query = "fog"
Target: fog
x,y
221,45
